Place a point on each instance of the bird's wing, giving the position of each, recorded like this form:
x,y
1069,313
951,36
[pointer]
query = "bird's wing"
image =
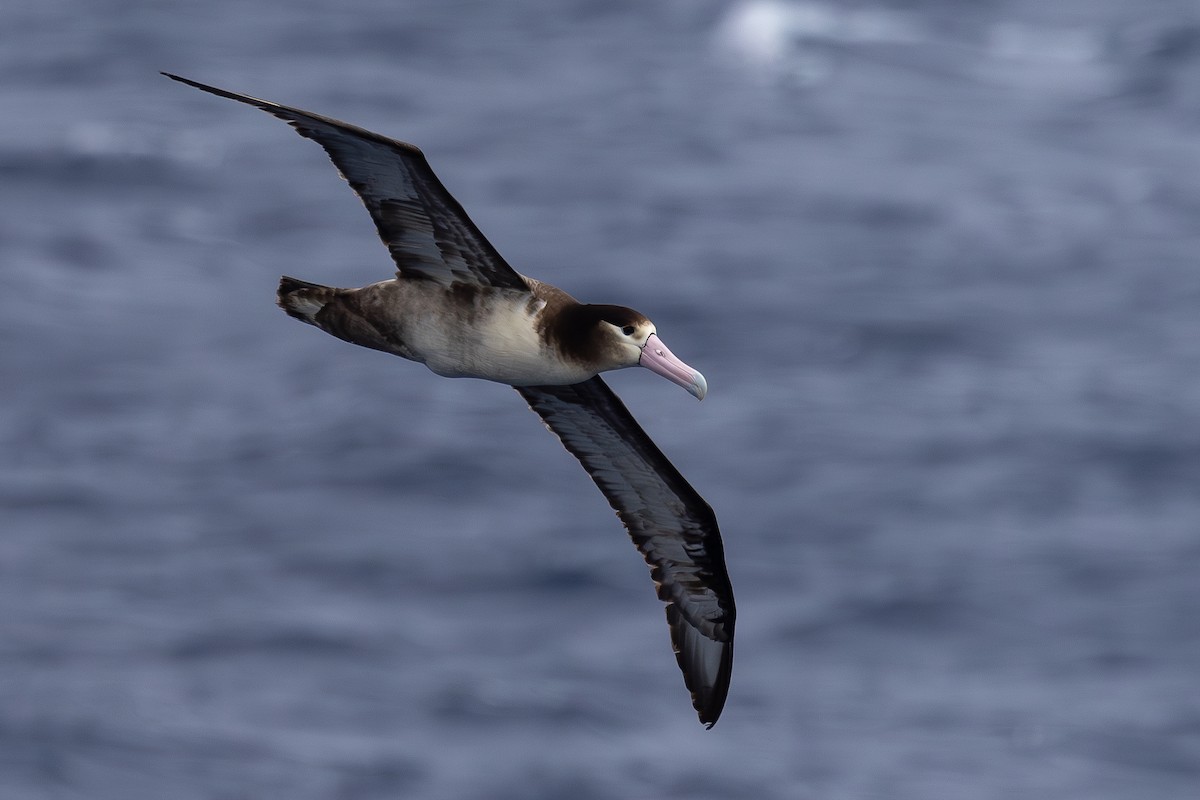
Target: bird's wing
x,y
670,523
424,227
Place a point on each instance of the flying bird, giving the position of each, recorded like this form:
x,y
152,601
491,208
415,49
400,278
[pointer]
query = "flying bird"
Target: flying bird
x,y
456,306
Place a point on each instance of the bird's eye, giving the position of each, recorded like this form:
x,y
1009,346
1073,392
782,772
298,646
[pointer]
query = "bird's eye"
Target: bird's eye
x,y
627,330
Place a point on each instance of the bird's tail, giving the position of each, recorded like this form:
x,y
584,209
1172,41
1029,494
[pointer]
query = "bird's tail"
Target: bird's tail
x,y
302,300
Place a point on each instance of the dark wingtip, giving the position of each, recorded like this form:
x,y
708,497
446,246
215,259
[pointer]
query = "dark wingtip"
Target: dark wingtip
x,y
189,82
708,696
204,87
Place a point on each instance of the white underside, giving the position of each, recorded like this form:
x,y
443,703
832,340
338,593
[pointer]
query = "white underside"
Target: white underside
x,y
498,342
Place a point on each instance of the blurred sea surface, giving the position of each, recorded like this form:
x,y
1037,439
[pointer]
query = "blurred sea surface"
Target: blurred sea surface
x,y
937,260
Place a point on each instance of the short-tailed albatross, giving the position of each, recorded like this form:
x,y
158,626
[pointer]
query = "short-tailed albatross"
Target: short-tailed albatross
x,y
456,306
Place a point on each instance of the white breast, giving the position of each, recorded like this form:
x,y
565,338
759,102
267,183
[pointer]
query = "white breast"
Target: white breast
x,y
496,339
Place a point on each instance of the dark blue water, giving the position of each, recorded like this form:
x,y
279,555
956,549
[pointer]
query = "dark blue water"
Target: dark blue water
x,y
937,260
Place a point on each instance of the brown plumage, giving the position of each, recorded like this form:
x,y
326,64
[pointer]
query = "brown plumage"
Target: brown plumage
x,y
457,307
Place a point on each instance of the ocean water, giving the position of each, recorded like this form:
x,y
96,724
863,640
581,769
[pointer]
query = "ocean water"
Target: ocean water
x,y
938,262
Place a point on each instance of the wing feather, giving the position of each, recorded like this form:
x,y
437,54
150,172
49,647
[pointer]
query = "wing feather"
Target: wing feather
x,y
672,526
424,228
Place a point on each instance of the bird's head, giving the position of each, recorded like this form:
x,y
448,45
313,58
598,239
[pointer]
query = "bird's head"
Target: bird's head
x,y
620,337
